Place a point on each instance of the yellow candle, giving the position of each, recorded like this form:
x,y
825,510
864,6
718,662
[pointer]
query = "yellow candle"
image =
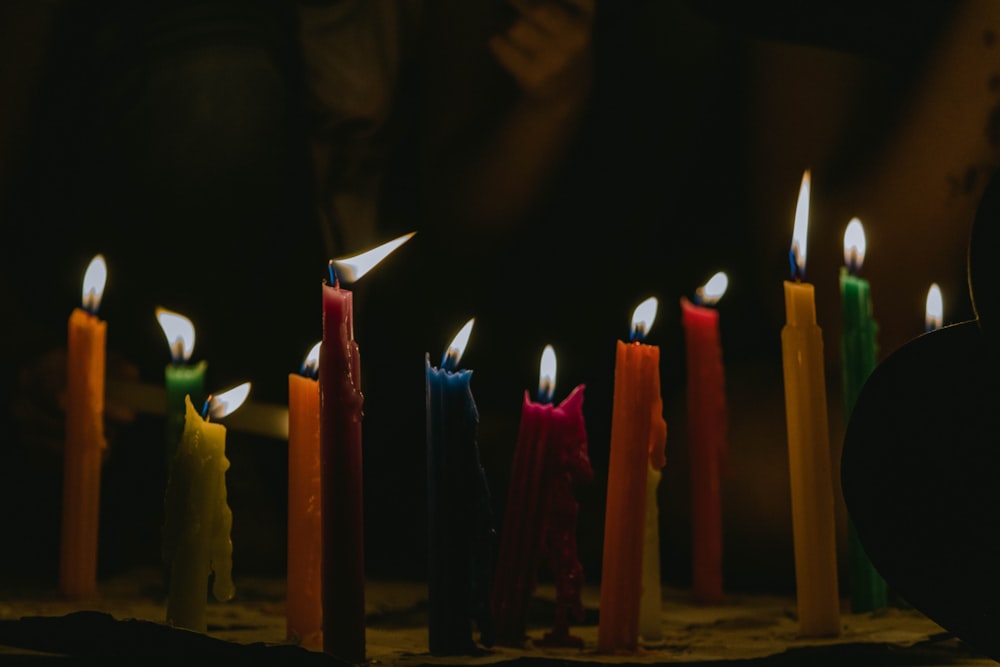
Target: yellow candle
x,y
85,442
638,436
197,518
304,609
813,527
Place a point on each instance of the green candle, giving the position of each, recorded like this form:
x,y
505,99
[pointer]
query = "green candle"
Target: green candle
x,y
858,357
182,377
197,523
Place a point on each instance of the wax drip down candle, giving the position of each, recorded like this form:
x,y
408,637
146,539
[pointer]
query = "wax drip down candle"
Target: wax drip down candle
x,y
550,458
197,520
810,467
182,377
85,443
630,567
459,517
342,512
933,309
858,357
304,610
707,426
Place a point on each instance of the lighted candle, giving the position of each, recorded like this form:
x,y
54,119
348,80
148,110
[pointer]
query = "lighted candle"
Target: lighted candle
x,y
810,468
85,443
182,377
197,519
541,512
459,519
638,437
304,610
343,571
933,309
707,426
858,356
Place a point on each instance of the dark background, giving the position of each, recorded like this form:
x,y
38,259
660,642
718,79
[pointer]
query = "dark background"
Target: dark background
x,y
171,137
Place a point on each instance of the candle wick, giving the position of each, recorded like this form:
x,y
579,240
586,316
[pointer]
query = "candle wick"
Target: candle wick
x,y
448,361
204,410
699,296
334,281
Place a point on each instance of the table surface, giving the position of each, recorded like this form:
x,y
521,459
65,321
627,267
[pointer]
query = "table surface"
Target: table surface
x,y
125,623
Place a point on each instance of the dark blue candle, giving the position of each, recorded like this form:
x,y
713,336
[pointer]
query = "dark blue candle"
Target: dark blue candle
x,y
459,519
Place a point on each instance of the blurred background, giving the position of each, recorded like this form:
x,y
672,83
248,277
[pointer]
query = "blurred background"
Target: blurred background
x,y
218,153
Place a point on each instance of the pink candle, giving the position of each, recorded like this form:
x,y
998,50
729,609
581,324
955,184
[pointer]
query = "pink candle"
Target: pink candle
x,y
540,519
706,402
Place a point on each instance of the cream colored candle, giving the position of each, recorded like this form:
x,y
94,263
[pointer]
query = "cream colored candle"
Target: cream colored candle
x,y
651,600
810,468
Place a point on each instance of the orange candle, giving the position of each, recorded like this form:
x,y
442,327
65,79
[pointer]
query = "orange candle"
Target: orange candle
x,y
304,612
638,436
85,443
813,527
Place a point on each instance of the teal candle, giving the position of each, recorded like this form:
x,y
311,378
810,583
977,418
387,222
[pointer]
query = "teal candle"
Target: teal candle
x,y
182,377
858,357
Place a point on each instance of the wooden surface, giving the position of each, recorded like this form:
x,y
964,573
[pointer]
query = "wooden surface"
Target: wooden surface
x,y
125,625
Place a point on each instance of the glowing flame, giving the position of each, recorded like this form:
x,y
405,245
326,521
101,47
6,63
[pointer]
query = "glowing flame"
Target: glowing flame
x,y
797,253
547,375
352,268
713,290
642,318
94,280
854,246
457,347
179,332
934,309
310,367
228,401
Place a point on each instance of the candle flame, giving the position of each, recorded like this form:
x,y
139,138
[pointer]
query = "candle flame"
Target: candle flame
x,y
547,375
457,347
642,318
228,401
854,246
712,291
310,367
934,309
350,269
179,332
797,254
94,279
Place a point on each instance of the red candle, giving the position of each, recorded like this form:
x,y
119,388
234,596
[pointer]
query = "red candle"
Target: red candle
x,y
638,436
304,612
85,443
540,517
707,426
343,574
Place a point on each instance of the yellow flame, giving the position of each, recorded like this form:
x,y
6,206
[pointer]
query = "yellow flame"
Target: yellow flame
x,y
352,268
643,316
179,332
713,290
94,280
854,245
228,401
547,373
934,309
458,344
801,229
